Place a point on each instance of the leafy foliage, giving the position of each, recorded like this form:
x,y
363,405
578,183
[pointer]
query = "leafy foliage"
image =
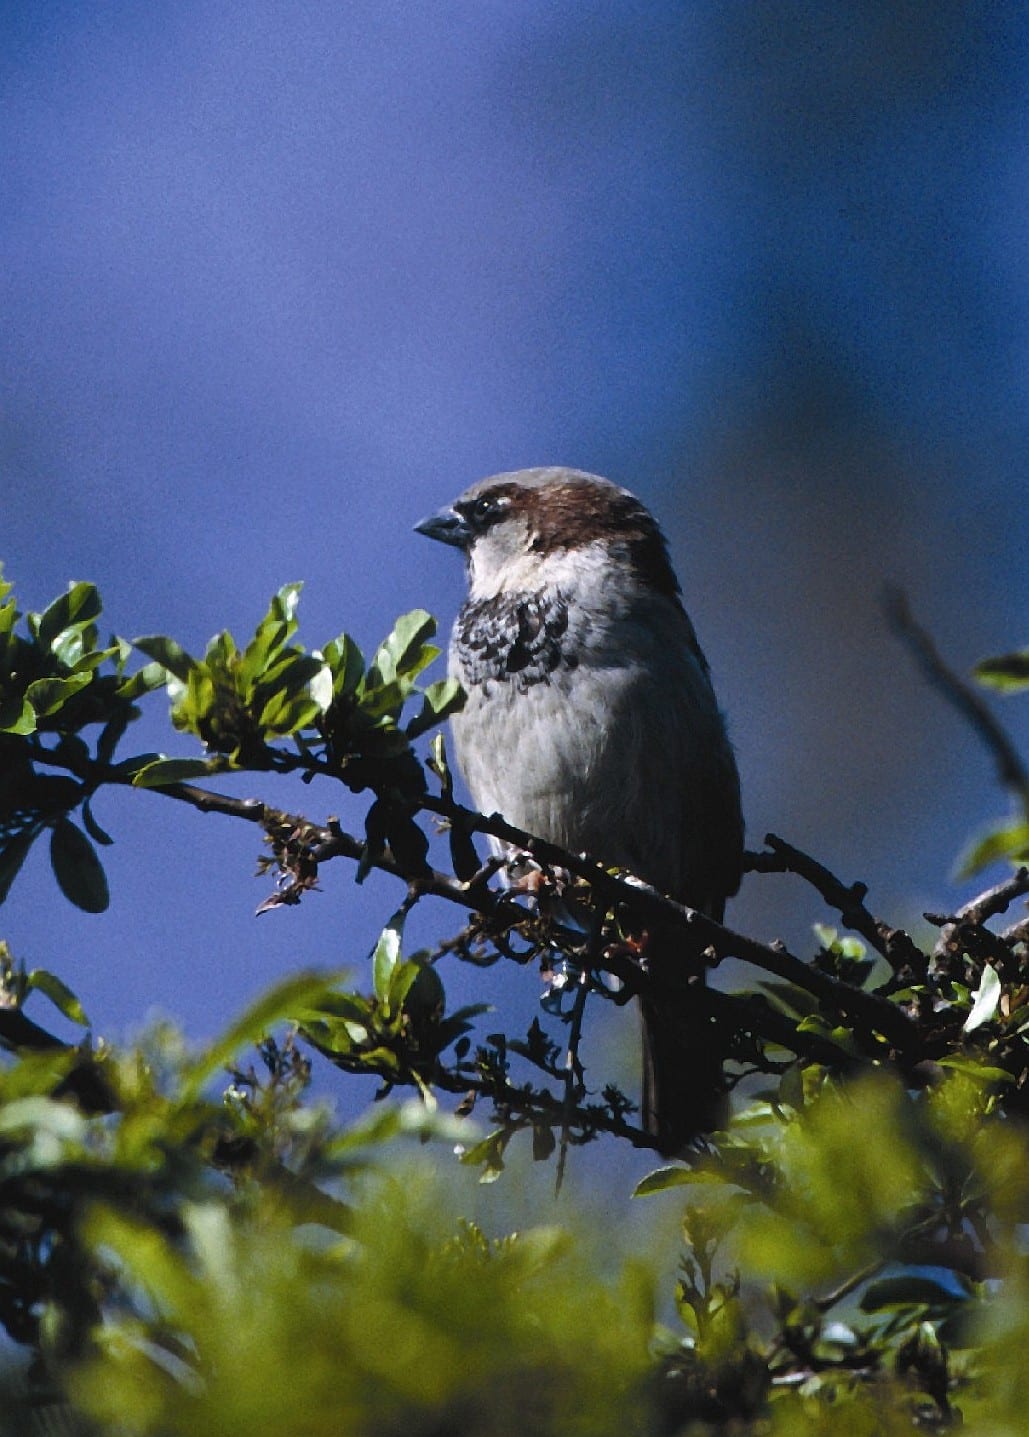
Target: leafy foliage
x,y
180,1228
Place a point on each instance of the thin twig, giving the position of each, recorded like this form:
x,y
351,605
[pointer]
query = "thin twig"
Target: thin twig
x,y
896,946
1011,768
573,1086
995,900
654,907
966,927
574,1089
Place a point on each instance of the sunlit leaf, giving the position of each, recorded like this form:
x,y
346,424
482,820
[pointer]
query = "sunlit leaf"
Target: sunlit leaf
x,y
439,701
47,696
167,653
321,688
151,676
979,1072
661,1179
386,956
985,1000
174,770
400,653
1008,673
346,663
80,605
17,715
1008,840
59,994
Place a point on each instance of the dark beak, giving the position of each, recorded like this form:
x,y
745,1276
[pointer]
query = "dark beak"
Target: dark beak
x,y
446,525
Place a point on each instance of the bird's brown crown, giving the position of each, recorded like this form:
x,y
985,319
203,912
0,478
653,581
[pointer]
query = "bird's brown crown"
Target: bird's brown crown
x,y
566,509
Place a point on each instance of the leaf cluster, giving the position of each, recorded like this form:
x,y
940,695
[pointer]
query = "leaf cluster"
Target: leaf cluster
x,y
57,680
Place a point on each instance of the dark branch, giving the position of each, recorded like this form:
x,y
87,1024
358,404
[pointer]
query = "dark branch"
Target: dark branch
x,y
995,900
653,908
896,946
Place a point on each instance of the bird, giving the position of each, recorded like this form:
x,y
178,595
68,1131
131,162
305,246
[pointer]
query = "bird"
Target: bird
x,y
590,721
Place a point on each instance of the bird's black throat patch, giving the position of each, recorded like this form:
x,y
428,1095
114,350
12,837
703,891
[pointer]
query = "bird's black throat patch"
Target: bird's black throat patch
x,y
518,638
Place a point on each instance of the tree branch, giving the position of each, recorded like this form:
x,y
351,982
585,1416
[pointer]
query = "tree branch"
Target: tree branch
x,y
894,944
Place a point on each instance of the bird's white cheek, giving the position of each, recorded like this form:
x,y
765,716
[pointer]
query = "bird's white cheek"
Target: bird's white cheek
x,y
503,562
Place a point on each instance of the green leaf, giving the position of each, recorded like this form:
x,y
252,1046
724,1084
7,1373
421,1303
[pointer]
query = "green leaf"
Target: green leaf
x,y
1007,840
168,654
285,603
386,956
346,663
841,1036
383,701
80,605
401,653
151,676
273,632
59,994
9,615
321,688
285,714
48,695
1008,673
78,870
296,993
439,701
174,770
91,660
661,1179
490,1153
402,979
221,651
194,702
846,946
17,715
978,1072
788,998
985,999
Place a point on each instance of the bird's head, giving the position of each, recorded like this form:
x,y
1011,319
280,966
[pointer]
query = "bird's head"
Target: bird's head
x,y
536,527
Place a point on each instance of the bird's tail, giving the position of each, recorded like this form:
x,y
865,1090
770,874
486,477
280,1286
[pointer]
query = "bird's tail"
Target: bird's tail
x,y
684,1092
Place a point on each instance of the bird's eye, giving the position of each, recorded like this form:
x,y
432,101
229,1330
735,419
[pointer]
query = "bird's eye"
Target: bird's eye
x,y
483,511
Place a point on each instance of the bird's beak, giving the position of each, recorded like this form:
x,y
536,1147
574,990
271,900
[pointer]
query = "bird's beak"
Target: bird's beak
x,y
446,525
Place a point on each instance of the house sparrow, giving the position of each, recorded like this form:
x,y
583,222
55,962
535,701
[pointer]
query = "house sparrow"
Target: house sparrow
x,y
591,722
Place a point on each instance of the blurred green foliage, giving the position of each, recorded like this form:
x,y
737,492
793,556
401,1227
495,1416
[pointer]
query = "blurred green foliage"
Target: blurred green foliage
x,y
190,1244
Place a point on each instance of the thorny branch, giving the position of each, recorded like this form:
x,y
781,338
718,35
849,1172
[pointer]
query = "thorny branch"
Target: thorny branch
x,y
896,946
881,1028
873,1013
966,928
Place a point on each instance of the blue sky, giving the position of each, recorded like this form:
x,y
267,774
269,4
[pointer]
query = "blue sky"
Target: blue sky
x,y
277,279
